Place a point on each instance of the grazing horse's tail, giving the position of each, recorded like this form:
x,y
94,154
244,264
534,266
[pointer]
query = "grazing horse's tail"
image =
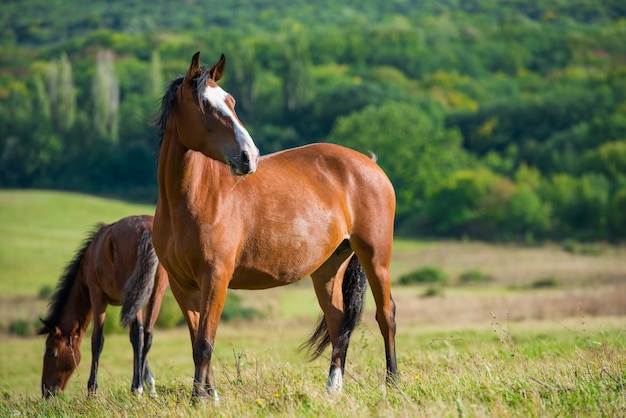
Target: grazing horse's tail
x,y
353,287
141,282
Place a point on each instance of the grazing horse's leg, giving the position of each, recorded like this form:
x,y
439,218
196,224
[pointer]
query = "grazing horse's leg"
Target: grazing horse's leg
x,y
97,342
327,281
375,261
151,313
136,339
149,380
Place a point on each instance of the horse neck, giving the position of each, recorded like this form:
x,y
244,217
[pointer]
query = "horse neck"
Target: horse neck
x,y
78,305
181,171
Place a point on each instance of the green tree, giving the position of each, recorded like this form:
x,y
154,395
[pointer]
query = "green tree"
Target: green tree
x,y
579,205
617,215
106,96
413,147
608,159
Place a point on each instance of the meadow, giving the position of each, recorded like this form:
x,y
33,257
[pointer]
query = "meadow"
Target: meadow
x,y
506,347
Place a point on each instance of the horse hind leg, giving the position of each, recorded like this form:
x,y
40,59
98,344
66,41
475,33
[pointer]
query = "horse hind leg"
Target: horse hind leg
x,y
340,291
137,340
375,261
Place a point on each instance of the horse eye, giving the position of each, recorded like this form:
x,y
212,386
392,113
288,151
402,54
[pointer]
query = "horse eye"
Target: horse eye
x,y
207,105
51,353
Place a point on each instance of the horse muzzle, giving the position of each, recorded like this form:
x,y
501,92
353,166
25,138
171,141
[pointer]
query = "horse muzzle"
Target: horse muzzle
x,y
245,163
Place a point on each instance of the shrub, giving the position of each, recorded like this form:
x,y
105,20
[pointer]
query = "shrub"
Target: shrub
x,y
21,327
112,323
428,274
170,315
545,282
474,277
45,292
234,310
573,247
432,291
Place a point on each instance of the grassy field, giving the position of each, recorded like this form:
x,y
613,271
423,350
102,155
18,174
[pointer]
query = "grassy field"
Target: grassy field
x,y
498,349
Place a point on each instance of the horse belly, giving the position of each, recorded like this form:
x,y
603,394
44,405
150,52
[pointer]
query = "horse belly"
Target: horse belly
x,y
279,262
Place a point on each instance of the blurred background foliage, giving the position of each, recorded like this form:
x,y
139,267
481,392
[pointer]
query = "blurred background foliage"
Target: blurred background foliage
x,y
496,120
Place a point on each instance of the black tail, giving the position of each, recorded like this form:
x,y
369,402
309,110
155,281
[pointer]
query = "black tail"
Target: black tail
x,y
141,282
353,287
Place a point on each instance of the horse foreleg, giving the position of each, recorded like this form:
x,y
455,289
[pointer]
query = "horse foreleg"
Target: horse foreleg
x,y
189,303
97,342
213,296
137,341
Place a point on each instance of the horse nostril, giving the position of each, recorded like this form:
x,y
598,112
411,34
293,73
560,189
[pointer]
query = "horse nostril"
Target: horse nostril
x,y
245,161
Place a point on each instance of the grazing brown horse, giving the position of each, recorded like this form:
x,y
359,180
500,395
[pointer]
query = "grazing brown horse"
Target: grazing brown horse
x,y
116,265
321,210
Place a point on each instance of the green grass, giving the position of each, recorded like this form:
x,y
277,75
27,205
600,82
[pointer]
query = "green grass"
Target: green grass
x,y
573,369
503,349
41,231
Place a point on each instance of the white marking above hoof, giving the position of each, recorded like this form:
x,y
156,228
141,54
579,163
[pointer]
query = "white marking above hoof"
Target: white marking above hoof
x,y
335,381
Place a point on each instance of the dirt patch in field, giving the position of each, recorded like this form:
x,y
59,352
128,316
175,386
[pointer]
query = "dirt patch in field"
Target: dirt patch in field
x,y
515,265
607,300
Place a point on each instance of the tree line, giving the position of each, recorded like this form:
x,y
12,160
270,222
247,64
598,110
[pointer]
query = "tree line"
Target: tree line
x,y
494,121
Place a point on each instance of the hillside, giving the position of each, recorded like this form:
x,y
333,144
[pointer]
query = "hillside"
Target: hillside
x,y
501,121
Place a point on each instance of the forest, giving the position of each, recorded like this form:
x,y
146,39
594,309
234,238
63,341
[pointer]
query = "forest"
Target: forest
x,y
495,120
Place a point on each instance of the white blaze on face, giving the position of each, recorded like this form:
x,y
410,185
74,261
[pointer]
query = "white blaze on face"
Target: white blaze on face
x,y
216,96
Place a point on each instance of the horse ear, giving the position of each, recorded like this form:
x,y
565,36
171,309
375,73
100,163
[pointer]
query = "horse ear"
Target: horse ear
x,y
47,328
76,327
194,67
218,69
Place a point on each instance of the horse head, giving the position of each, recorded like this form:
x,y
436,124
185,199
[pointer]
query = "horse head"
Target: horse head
x,y
61,357
207,121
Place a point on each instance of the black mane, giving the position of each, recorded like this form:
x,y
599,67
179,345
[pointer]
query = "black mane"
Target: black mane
x,y
58,301
168,102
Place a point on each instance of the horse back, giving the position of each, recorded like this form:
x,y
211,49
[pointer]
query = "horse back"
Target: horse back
x,y
113,256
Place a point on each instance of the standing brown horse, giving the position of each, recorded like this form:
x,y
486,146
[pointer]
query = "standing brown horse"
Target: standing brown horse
x,y
304,212
116,265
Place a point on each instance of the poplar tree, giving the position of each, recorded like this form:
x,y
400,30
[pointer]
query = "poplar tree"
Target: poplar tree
x,y
106,96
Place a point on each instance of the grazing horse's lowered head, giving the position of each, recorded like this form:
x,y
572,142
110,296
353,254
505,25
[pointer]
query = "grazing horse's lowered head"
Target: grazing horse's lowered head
x,y
61,357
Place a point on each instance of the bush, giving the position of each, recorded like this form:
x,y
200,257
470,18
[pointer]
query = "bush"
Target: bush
x,y
545,282
432,291
45,292
21,327
234,310
170,315
573,247
112,324
474,277
428,274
